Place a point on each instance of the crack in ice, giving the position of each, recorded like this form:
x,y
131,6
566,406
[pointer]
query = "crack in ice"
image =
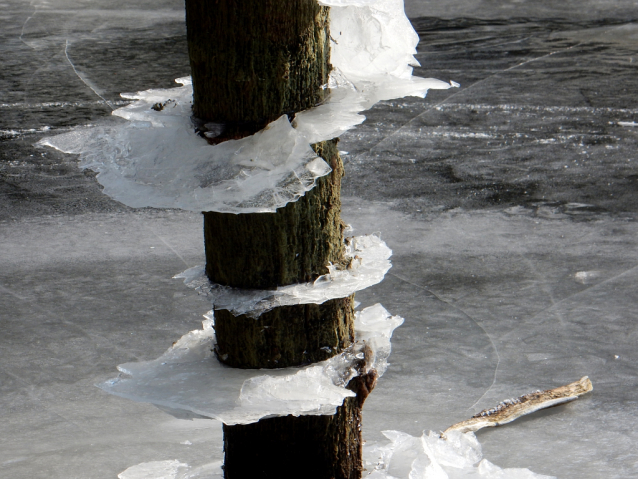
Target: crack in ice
x,y
447,44
35,10
8,291
29,390
86,82
498,356
445,100
545,287
167,245
571,296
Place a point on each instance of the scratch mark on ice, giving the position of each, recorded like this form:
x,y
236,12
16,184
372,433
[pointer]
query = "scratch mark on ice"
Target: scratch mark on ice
x,y
575,295
447,44
169,247
460,92
498,356
546,287
8,291
86,82
31,388
35,10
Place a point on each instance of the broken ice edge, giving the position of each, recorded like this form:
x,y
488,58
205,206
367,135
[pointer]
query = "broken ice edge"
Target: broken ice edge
x,y
189,382
370,262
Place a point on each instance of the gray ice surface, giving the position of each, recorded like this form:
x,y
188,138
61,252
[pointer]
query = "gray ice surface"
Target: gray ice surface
x,y
509,204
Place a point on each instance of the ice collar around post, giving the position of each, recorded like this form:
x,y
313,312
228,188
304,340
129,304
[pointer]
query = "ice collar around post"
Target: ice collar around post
x,y
188,381
369,262
156,159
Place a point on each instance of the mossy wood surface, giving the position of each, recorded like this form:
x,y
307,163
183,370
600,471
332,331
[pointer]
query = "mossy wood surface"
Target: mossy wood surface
x,y
293,245
254,60
251,62
285,336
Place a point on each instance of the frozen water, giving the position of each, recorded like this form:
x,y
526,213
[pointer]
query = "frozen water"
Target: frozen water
x,y
370,262
156,159
403,456
371,38
341,110
154,470
468,187
431,457
374,327
372,52
188,381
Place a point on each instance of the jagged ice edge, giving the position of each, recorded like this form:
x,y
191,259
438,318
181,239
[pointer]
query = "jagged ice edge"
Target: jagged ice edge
x,y
188,381
370,262
402,457
432,457
156,159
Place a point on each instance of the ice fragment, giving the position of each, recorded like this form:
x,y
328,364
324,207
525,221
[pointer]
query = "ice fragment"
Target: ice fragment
x,y
431,457
403,457
372,53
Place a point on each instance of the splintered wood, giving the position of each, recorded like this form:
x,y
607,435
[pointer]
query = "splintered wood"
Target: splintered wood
x,y
511,409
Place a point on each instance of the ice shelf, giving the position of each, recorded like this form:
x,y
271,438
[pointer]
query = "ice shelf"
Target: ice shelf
x,y
188,381
156,159
370,261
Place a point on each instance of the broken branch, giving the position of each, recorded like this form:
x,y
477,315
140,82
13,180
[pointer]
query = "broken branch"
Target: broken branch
x,y
511,409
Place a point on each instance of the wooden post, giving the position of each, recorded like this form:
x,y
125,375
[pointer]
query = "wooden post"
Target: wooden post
x,y
251,62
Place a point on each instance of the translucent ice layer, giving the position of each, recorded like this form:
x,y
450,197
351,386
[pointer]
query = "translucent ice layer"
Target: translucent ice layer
x,y
370,262
156,159
372,52
188,381
430,457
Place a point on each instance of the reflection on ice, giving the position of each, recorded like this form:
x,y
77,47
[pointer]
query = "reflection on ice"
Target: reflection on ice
x,y
188,381
369,264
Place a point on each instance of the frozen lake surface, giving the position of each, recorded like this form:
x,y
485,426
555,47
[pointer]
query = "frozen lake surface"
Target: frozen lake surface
x,y
510,205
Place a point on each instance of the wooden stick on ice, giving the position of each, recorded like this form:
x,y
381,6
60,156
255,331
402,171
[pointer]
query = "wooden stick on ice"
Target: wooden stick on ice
x,y
511,409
